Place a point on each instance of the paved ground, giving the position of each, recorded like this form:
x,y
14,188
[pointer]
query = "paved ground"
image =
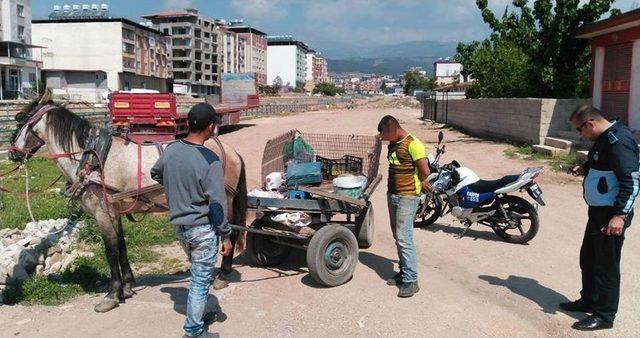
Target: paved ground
x,y
474,286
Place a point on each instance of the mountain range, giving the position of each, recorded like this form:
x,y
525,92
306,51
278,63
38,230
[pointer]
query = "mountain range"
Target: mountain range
x,y
392,59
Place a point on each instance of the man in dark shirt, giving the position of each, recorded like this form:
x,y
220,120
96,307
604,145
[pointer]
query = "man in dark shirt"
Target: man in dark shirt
x,y
193,180
610,188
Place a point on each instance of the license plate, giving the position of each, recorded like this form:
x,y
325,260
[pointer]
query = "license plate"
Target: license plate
x,y
535,190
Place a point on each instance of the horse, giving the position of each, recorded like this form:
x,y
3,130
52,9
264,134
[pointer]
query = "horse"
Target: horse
x,y
126,168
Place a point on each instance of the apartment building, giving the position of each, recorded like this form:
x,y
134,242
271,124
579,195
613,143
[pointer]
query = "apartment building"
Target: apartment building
x,y
286,61
233,50
130,55
255,51
18,69
194,52
320,71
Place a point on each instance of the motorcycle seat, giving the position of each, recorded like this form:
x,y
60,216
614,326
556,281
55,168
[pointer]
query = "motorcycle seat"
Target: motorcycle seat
x,y
484,186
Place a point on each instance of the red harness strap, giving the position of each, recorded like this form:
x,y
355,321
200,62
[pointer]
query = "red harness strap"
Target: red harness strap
x,y
139,182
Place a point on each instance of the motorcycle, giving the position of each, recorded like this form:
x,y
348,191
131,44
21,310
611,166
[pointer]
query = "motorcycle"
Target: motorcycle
x,y
459,191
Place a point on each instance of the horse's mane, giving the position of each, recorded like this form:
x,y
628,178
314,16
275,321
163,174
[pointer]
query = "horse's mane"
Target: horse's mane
x,y
67,126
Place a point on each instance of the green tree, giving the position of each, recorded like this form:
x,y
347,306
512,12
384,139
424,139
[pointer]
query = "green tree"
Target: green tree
x,y
414,80
501,69
327,89
543,31
464,55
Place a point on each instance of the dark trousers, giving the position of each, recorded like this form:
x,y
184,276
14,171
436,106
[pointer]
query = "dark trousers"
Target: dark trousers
x,y
600,263
226,267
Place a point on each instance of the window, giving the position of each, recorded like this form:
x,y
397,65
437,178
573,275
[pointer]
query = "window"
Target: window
x,y
32,77
166,31
21,11
20,32
128,48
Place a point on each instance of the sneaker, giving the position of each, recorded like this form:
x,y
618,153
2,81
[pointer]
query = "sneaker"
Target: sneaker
x,y
395,280
408,289
204,335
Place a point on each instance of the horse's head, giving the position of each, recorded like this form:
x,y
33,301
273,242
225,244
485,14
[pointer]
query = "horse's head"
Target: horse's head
x,y
30,129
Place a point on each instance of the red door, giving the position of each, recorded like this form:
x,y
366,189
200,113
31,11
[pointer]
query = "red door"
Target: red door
x,y
616,81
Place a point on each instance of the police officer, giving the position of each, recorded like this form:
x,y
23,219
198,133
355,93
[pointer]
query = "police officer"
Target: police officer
x,y
610,188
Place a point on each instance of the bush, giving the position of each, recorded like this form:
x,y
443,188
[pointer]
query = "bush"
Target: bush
x,y
327,89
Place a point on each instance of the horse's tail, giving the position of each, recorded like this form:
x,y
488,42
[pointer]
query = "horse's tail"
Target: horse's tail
x,y
240,206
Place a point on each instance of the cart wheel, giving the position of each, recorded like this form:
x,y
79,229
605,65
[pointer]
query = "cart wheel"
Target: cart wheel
x,y
332,255
365,227
264,251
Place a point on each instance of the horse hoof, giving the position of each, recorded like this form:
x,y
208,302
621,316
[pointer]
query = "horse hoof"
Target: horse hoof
x,y
128,292
106,305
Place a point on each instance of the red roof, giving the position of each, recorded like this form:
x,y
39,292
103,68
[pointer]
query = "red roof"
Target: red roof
x,y
613,24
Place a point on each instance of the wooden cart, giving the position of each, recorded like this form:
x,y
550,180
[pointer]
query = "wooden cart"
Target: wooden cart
x,y
339,224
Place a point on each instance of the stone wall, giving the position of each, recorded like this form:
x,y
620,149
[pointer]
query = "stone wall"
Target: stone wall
x,y
44,248
527,120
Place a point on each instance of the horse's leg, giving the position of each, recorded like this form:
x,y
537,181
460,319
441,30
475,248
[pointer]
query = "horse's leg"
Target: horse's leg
x,y
127,275
92,203
111,244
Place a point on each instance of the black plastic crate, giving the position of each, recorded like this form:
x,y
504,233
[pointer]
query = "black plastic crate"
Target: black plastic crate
x,y
332,168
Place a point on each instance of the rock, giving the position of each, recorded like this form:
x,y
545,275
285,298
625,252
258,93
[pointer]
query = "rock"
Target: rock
x,y
41,258
54,249
68,261
4,275
3,232
24,242
18,275
39,269
55,268
28,260
12,232
55,258
7,241
35,241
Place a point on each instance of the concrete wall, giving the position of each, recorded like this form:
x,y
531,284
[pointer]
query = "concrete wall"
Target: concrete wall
x,y
82,46
282,62
10,20
515,119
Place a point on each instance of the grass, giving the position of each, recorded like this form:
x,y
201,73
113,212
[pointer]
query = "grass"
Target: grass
x,y
526,152
88,274
45,205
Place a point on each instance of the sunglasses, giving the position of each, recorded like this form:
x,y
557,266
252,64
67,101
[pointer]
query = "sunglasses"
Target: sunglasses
x,y
579,129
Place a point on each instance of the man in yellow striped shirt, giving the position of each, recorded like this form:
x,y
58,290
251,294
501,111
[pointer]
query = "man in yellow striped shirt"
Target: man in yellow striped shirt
x,y
408,171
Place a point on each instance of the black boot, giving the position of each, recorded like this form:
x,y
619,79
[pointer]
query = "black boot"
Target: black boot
x,y
395,280
408,289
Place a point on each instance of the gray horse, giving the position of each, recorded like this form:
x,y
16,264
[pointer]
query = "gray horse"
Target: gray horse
x,y
66,136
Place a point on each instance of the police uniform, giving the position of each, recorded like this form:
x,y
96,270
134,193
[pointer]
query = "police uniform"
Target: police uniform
x,y
610,188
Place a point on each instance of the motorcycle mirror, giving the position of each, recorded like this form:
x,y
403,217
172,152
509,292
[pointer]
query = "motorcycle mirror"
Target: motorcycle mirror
x,y
440,136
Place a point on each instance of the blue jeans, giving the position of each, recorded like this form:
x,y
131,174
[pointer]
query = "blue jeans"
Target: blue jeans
x,y
402,213
200,243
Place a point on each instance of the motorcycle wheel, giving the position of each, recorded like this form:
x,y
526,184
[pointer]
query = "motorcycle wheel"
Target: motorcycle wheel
x,y
431,213
523,223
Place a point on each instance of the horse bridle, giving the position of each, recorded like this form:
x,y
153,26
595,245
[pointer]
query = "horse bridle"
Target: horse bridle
x,y
31,121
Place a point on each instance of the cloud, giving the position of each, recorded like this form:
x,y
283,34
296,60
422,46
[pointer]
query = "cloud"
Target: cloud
x,y
177,4
261,10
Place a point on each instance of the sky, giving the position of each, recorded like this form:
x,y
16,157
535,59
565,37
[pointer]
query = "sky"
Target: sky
x,y
322,22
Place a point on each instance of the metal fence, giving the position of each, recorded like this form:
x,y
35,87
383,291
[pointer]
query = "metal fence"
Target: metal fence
x,y
98,116
272,108
435,106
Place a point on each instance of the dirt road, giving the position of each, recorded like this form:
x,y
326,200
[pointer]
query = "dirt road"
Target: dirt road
x,y
474,286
